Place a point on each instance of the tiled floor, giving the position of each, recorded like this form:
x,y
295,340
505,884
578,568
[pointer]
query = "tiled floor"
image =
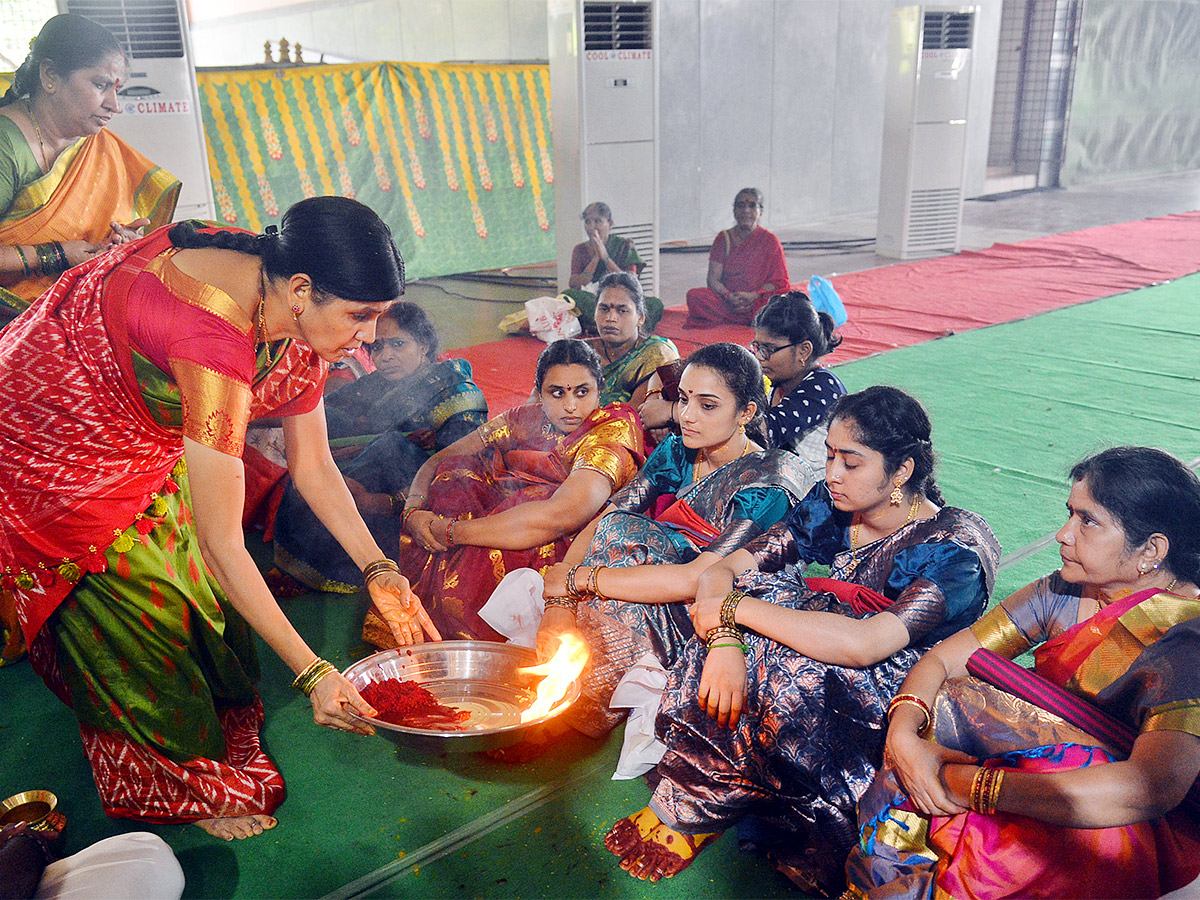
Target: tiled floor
x,y
467,311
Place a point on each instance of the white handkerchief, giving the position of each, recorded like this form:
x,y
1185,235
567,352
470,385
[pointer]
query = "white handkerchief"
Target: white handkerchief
x,y
516,607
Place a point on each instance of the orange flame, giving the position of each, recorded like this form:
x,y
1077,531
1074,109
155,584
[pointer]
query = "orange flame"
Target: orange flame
x,y
561,671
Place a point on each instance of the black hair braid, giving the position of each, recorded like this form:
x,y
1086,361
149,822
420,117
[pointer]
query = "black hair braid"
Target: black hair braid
x,y
187,236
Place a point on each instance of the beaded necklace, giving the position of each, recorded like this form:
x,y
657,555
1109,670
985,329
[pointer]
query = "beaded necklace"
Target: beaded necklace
x,y
38,132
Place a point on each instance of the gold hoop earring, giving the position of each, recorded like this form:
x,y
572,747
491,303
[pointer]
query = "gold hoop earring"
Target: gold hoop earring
x,y
897,495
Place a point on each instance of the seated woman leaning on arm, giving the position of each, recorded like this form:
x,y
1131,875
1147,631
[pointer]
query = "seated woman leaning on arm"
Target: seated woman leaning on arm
x,y
631,572
510,494
785,720
1013,801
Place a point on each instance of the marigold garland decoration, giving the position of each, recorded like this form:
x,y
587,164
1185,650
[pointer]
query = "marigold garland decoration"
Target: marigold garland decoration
x,y
376,131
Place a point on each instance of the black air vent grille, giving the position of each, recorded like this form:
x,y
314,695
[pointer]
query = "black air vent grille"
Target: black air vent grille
x,y
947,31
616,26
147,29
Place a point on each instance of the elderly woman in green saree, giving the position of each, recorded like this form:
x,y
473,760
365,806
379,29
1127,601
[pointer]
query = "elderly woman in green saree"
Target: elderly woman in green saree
x,y
603,253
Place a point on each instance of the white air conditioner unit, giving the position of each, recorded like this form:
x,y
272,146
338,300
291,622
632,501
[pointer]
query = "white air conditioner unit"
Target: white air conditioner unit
x,y
925,131
604,102
160,107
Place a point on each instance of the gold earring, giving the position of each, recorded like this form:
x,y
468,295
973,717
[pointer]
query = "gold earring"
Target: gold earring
x,y
897,495
296,311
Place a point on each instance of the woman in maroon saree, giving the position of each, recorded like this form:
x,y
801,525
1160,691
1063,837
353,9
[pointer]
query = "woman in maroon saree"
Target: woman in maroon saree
x,y
511,494
990,794
746,266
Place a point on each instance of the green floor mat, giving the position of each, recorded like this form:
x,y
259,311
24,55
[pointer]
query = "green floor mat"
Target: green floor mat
x,y
1013,407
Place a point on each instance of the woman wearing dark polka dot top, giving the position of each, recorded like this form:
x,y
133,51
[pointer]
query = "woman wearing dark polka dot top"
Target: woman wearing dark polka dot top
x,y
790,337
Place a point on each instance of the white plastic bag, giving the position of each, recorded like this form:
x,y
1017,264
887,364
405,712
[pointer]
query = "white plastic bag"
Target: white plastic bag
x,y
552,318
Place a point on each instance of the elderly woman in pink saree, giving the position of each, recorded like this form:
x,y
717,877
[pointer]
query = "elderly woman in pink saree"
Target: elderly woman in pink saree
x,y
1068,781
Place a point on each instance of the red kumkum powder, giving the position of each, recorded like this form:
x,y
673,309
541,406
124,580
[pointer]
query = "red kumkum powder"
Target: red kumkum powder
x,y
408,704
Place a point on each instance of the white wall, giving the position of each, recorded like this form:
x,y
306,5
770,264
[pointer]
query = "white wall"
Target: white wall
x,y
368,30
784,95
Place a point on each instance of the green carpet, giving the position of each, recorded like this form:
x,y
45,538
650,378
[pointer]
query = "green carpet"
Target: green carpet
x,y
1013,407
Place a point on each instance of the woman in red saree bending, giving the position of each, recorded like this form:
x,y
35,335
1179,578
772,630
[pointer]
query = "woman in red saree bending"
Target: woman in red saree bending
x,y
512,494
125,392
990,794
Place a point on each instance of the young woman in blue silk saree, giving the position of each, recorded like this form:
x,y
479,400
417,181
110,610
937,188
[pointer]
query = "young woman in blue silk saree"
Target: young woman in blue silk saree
x,y
784,721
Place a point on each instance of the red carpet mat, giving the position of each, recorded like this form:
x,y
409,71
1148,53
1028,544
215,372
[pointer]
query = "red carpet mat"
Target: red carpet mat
x,y
908,303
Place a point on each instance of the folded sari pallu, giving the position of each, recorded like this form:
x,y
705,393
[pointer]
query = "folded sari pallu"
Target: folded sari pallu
x,y
1003,673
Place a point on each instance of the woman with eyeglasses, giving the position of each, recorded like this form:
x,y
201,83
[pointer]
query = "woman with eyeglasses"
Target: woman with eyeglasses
x,y
745,267
382,429
790,337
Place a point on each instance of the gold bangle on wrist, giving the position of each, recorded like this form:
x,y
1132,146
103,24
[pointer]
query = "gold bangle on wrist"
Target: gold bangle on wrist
x,y
911,700
596,583
373,570
312,674
729,607
564,602
725,636
573,591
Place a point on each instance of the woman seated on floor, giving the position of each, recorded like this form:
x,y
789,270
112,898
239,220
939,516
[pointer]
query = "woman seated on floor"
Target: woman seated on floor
x,y
785,720
382,429
629,357
745,267
510,494
1027,804
603,253
625,582
790,337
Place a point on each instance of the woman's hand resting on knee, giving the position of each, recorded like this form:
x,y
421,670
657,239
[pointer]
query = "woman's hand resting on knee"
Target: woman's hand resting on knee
x,y
723,685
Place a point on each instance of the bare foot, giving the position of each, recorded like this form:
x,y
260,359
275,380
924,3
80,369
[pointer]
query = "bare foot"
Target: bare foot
x,y
237,827
660,853
631,831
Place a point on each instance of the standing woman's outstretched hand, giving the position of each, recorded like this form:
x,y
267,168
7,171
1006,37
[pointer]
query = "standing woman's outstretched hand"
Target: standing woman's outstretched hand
x,y
333,698
401,609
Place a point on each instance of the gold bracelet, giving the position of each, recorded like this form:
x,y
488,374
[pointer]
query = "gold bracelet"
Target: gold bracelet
x,y
596,582
564,602
591,582
722,633
994,793
729,607
910,700
572,588
373,570
311,674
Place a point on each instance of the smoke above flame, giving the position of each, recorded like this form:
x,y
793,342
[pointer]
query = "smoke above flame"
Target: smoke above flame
x,y
560,670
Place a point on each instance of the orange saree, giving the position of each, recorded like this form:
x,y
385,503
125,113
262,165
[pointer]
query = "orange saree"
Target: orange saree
x,y
98,181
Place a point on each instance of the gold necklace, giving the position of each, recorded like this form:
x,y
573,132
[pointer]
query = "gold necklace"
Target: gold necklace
x,y
38,132
696,464
912,514
261,326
